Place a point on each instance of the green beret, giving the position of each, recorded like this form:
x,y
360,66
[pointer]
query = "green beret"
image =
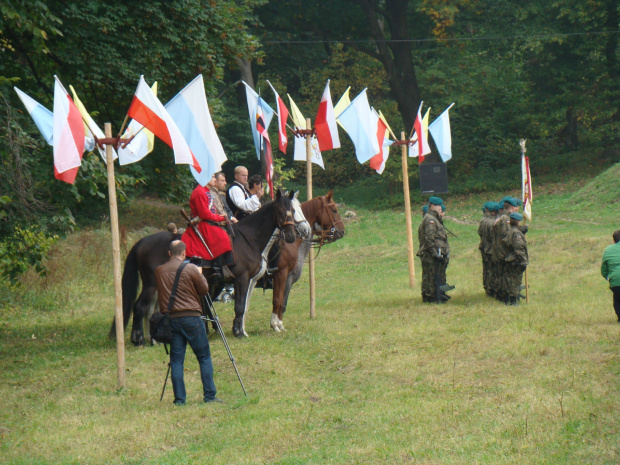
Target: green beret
x,y
493,206
512,201
435,200
487,206
425,208
516,216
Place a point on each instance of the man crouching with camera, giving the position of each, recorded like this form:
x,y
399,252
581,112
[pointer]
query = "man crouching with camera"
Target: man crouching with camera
x,y
185,319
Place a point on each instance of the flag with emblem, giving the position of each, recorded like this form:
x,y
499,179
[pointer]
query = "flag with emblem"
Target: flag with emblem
x,y
526,184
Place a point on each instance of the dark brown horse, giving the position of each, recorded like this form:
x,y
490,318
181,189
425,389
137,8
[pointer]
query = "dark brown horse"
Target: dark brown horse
x,y
322,214
253,236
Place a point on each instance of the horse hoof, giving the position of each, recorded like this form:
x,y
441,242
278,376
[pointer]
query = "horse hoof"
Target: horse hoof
x,y
275,328
137,339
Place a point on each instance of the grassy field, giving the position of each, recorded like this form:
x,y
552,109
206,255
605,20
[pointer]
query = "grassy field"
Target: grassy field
x,y
377,377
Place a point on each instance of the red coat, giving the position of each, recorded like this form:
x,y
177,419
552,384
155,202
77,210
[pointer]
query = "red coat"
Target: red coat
x,y
216,237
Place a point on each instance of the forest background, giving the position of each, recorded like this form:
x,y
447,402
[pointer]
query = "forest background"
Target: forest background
x,y
542,70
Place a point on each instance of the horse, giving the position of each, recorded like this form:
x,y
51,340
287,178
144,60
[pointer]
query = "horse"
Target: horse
x,y
322,213
252,236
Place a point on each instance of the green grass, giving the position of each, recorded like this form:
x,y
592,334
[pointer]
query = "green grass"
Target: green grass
x,y
377,377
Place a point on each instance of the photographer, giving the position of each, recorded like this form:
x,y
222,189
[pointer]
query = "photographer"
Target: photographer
x,y
185,320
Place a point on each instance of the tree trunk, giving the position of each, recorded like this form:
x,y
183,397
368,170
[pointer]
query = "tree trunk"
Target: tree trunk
x,y
396,57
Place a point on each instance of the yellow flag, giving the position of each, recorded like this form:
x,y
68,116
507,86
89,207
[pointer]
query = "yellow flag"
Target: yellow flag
x,y
424,125
298,118
343,103
86,119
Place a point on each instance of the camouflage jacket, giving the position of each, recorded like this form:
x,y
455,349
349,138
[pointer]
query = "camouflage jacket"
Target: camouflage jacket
x,y
515,243
485,232
500,228
433,236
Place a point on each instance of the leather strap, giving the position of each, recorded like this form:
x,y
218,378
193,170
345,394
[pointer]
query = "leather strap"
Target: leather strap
x,y
173,292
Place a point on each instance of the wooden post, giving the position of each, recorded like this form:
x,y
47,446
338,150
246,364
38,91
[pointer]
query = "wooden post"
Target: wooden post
x,y
408,212
116,255
309,195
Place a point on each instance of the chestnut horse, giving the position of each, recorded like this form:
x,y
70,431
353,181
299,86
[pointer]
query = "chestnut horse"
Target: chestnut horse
x,y
322,214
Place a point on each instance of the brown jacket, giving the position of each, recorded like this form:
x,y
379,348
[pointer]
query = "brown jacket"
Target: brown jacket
x,y
192,286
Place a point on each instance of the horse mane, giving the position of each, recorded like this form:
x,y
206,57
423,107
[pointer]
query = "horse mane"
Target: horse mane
x,y
310,207
253,220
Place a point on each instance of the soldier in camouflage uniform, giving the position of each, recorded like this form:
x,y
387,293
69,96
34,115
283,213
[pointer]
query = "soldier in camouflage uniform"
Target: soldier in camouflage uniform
x,y
486,242
499,251
516,260
434,250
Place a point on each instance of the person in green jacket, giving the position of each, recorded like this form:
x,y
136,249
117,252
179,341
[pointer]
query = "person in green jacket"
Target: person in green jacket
x,y
610,269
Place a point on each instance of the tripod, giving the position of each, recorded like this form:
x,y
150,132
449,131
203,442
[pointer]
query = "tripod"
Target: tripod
x,y
213,318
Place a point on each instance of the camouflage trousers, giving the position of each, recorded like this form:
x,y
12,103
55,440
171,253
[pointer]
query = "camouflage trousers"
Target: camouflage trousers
x,y
497,279
430,268
486,272
513,279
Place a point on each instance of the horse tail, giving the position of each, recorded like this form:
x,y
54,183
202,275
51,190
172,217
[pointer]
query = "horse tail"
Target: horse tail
x,y
129,285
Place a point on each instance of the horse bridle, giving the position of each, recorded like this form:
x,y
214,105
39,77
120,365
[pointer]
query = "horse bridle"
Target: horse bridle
x,y
327,235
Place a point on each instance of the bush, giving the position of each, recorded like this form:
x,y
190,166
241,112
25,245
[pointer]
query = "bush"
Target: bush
x,y
23,249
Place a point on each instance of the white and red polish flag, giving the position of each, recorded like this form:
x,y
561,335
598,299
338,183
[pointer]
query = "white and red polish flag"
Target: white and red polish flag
x,y
68,138
526,188
282,118
377,162
325,123
147,110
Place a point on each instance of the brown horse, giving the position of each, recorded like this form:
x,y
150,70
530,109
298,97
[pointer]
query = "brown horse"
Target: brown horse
x,y
322,214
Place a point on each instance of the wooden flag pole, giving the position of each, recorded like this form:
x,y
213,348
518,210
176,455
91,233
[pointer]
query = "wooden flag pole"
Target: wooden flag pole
x,y
309,196
527,287
116,255
404,146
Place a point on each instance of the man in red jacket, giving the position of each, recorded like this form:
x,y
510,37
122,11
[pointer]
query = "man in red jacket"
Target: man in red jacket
x,y
212,228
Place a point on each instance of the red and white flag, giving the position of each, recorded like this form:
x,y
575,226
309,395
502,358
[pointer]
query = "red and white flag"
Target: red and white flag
x,y
282,118
68,135
265,146
325,123
377,162
421,133
526,185
147,110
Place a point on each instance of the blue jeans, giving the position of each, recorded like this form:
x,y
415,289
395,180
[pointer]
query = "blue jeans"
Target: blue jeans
x,y
190,329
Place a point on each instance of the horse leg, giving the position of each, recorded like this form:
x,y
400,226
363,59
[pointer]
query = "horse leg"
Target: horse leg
x,y
279,286
140,309
241,293
153,308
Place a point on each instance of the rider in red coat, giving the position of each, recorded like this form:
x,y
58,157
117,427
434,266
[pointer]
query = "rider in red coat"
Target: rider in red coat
x,y
211,226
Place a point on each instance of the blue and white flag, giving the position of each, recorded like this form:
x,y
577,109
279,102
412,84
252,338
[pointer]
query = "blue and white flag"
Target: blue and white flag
x,y
361,126
440,130
267,115
42,117
190,112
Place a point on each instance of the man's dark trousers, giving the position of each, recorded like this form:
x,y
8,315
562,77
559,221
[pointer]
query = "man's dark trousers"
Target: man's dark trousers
x,y
190,329
616,293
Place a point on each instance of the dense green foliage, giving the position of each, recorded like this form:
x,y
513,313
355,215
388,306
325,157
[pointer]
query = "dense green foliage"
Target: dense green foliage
x,y
545,71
